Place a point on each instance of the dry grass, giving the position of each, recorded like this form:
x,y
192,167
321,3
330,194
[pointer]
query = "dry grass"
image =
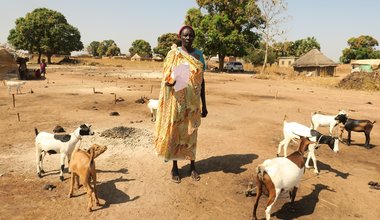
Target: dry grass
x,y
124,63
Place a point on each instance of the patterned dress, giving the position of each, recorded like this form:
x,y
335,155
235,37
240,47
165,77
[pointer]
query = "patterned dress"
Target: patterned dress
x,y
179,112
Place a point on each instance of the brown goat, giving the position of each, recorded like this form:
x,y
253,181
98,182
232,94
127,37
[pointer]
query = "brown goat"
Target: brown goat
x,y
82,166
350,124
280,174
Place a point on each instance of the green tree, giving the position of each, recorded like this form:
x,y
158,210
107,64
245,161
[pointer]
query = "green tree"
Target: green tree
x,y
105,48
113,50
256,55
93,47
362,47
225,30
164,42
46,32
141,47
302,46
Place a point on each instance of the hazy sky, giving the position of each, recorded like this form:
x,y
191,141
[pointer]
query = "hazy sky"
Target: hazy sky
x,y
331,22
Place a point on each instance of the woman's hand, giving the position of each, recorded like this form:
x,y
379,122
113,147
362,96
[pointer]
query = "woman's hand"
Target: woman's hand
x,y
170,84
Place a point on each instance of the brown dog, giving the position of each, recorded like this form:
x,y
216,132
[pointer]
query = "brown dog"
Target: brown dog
x,y
82,165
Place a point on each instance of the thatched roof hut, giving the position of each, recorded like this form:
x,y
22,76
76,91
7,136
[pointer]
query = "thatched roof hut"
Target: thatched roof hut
x,y
315,63
8,64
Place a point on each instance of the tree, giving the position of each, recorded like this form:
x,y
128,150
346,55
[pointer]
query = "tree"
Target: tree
x,y
164,42
141,47
46,32
272,14
362,47
256,55
93,47
302,46
225,30
113,50
104,48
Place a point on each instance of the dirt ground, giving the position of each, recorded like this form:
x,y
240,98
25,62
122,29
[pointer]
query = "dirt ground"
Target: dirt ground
x,y
243,128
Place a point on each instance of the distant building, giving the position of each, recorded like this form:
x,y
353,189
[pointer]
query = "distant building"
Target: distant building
x,y
315,63
286,61
368,65
136,57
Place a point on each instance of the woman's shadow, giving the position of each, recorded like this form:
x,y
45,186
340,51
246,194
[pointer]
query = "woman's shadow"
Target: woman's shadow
x,y
304,206
231,163
112,195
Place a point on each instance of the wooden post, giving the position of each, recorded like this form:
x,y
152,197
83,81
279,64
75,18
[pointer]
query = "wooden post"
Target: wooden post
x,y
18,116
13,100
115,98
93,89
151,89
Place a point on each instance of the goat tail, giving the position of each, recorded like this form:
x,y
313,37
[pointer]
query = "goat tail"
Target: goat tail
x,y
260,169
36,131
373,122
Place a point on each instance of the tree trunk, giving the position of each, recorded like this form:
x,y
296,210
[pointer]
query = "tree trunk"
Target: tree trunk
x,y
221,62
49,58
39,57
265,58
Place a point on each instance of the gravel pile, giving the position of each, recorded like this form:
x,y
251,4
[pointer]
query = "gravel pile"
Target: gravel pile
x,y
118,132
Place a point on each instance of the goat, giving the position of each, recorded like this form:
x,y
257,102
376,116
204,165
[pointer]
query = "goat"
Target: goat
x,y
54,143
325,120
293,130
82,166
152,105
280,174
15,84
357,126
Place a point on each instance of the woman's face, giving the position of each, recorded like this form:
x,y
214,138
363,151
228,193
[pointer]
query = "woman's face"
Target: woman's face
x,y
187,37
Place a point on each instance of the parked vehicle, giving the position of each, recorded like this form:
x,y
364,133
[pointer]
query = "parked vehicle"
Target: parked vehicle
x,y
234,66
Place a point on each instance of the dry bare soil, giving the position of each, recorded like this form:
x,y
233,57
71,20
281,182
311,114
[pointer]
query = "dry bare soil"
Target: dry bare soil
x,y
243,128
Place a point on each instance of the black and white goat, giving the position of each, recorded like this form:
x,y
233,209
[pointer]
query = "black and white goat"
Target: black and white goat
x,y
349,125
319,120
63,144
293,130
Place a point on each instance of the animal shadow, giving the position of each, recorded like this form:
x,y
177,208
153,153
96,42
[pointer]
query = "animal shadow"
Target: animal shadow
x,y
305,206
324,166
122,170
112,195
345,141
231,163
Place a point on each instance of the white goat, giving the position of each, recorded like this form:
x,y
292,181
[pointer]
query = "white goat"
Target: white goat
x,y
293,130
325,120
153,105
14,84
278,175
63,144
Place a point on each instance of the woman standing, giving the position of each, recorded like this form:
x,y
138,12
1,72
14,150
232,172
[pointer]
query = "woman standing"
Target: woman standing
x,y
180,109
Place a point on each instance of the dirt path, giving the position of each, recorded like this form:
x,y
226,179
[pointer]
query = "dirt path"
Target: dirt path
x,y
243,128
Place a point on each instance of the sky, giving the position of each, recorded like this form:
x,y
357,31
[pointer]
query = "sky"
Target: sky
x,y
331,22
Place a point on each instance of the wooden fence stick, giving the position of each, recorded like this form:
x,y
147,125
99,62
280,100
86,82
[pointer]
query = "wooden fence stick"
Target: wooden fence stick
x,y
13,100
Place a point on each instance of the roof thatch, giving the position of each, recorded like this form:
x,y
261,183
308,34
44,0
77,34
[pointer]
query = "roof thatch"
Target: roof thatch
x,y
7,63
314,58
